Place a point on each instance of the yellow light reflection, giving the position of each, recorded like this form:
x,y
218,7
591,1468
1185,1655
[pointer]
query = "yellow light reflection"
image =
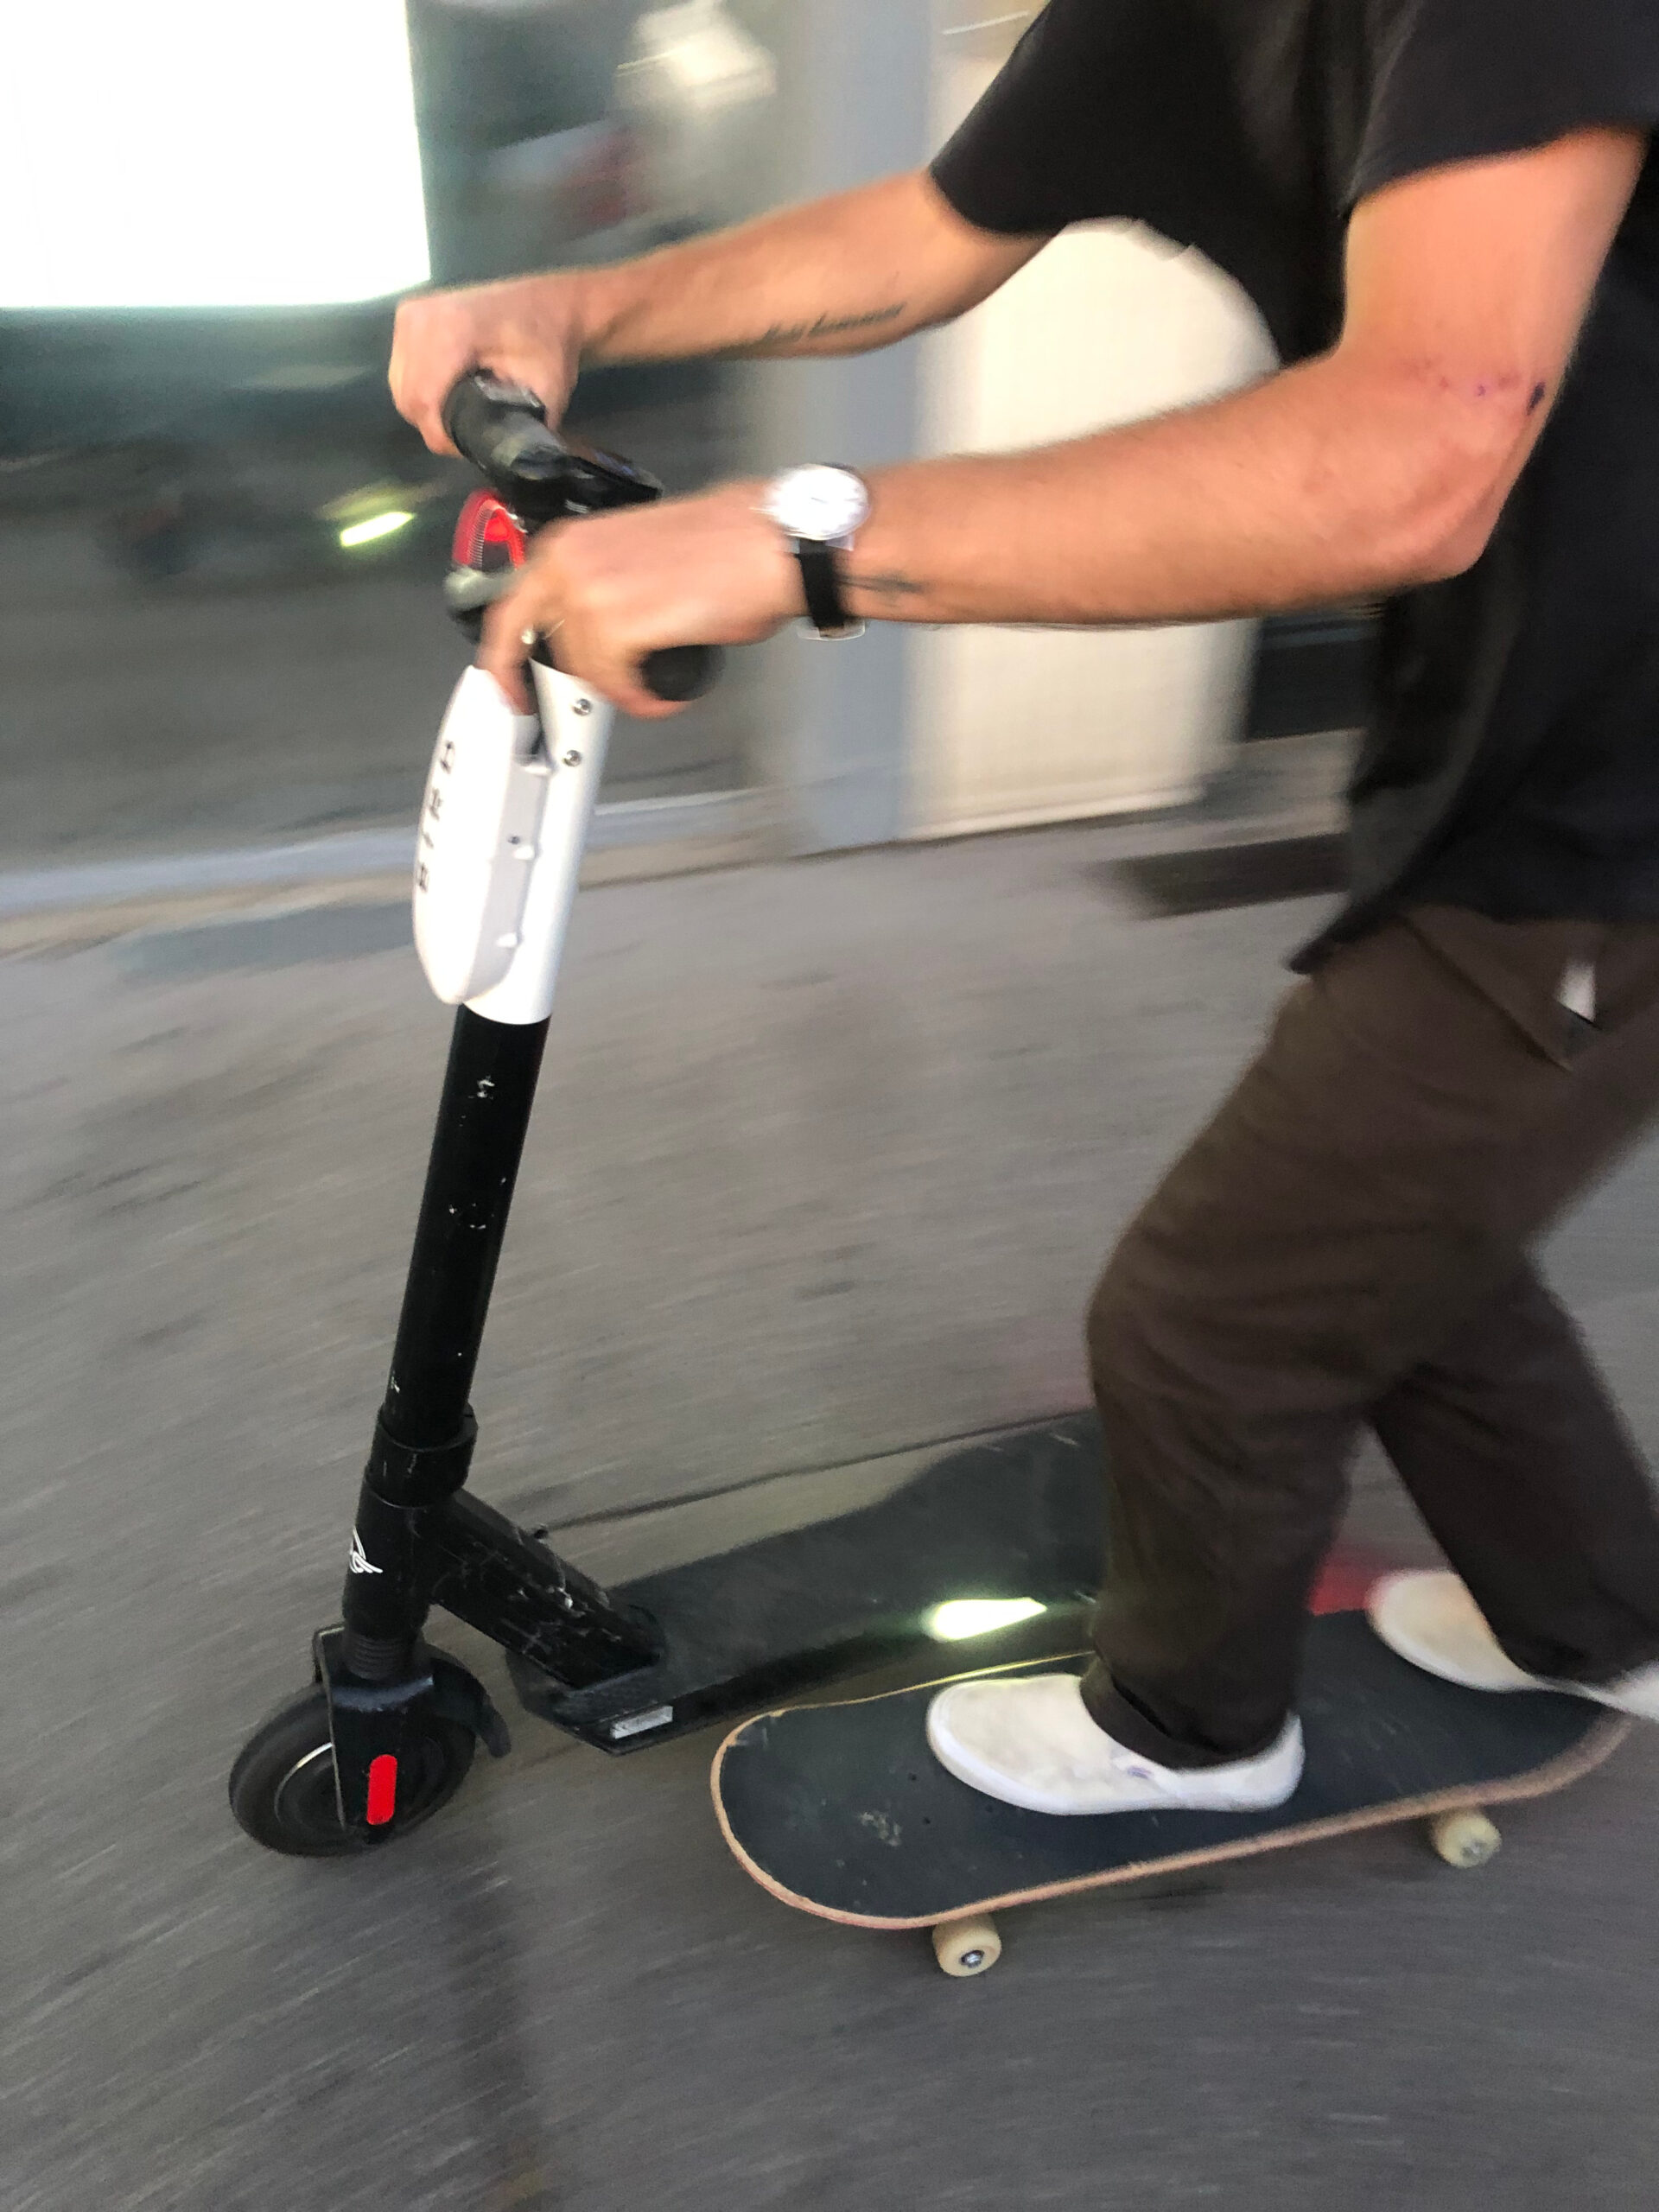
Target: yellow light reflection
x,y
364,533
965,1617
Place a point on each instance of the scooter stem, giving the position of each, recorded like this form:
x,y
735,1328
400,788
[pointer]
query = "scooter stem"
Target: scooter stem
x,y
505,819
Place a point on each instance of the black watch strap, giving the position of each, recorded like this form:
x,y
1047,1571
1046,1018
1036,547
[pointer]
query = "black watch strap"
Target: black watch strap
x,y
821,582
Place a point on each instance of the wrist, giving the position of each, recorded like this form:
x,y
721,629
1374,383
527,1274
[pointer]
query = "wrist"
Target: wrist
x,y
893,574
772,564
818,509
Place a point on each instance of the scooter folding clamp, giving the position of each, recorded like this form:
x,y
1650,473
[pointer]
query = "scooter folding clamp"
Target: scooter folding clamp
x,y
404,1474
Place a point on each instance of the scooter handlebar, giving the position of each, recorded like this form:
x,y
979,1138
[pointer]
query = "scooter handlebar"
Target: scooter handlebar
x,y
681,672
502,430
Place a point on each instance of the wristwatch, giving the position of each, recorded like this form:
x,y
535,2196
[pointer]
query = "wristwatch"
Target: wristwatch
x,y
818,508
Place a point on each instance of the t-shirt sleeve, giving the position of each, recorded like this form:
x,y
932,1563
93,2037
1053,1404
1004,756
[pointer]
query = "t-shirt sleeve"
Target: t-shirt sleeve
x,y
1458,80
1098,112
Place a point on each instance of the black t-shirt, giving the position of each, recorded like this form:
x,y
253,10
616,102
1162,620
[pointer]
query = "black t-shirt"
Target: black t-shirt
x,y
1512,763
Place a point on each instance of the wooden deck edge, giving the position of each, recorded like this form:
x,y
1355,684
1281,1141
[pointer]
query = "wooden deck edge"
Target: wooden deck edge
x,y
1598,1744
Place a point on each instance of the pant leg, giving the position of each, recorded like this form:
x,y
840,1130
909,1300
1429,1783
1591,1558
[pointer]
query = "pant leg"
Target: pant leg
x,y
1520,1464
1373,1180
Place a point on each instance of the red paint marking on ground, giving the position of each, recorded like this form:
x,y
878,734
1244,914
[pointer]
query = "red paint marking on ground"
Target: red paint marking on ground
x,y
383,1789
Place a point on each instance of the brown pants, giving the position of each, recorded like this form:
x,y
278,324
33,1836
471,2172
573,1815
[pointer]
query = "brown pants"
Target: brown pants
x,y
1344,1244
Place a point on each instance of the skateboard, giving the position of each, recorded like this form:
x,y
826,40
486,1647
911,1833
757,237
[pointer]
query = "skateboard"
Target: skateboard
x,y
842,1810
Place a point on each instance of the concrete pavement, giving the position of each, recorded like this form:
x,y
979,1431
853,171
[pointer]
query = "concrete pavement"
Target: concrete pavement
x,y
825,1159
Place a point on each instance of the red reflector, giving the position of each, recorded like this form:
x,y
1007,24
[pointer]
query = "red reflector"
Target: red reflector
x,y
484,527
383,1789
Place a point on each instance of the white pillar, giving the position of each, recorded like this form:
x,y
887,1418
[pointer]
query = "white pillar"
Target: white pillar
x,y
854,89
1106,325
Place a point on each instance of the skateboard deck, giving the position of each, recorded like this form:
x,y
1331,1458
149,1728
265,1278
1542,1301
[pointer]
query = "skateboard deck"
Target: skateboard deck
x,y
842,1811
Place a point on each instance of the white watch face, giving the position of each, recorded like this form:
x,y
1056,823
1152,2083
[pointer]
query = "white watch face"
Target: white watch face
x,y
817,501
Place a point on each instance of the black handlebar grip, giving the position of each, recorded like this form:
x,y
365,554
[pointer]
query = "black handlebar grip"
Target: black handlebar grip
x,y
499,426
682,673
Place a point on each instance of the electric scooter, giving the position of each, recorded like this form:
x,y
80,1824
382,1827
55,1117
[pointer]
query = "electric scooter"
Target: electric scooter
x,y
388,1730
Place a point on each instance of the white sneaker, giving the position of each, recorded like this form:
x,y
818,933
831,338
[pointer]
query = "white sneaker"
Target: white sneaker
x,y
1428,1617
1030,1741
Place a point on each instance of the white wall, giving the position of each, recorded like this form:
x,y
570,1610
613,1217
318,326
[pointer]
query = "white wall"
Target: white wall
x,y
1106,325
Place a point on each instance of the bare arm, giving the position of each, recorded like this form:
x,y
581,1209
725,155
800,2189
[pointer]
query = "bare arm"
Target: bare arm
x,y
837,275
1382,463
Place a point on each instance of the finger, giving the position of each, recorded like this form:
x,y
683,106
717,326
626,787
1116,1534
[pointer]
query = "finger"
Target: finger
x,y
504,653
424,413
437,439
427,414
408,391
420,400
397,368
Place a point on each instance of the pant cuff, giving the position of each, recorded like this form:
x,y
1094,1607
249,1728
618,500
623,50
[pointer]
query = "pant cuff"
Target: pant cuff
x,y
1127,1723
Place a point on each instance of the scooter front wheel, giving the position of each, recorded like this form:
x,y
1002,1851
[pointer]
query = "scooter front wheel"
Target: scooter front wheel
x,y
283,1784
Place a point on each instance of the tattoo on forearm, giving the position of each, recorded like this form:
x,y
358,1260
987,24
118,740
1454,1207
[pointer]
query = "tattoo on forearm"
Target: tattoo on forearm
x,y
825,326
886,587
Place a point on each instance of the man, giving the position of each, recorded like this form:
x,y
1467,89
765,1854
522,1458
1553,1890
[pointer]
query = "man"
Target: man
x,y
1446,213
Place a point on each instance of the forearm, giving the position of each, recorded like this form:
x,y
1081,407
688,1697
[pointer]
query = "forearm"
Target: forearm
x,y
836,275
839,276
1319,484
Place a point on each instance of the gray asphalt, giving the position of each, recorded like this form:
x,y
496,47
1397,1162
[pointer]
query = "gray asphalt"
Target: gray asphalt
x,y
826,1156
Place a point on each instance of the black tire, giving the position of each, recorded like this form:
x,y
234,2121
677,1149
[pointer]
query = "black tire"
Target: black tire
x,y
283,1784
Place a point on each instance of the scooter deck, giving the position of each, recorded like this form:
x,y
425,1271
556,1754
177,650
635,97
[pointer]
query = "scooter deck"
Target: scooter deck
x,y
1019,1516
842,1811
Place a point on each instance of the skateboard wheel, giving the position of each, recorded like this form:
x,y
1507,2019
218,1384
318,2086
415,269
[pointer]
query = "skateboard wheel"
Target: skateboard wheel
x,y
1464,1838
963,1948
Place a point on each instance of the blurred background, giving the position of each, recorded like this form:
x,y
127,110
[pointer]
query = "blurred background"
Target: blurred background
x,y
842,1104
219,545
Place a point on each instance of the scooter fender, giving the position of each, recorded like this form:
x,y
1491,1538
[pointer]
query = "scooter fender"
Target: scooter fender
x,y
480,816
508,802
576,725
